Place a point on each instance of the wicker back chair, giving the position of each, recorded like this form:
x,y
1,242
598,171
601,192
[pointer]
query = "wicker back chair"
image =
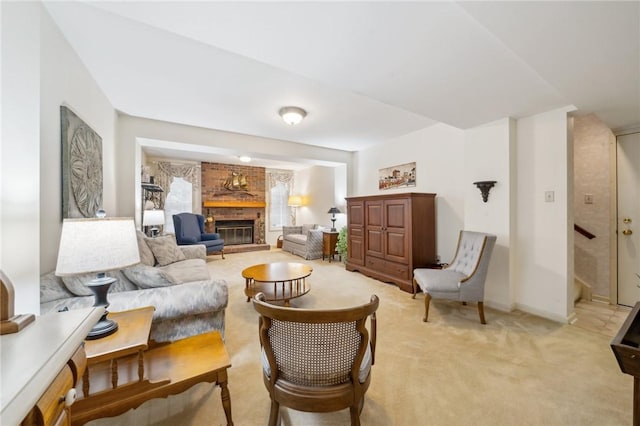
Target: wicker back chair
x,y
316,360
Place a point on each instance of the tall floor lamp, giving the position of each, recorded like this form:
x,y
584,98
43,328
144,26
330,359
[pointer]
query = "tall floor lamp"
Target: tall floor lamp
x,y
294,201
97,246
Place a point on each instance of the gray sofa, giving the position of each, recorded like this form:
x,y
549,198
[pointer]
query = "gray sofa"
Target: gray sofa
x,y
187,300
304,241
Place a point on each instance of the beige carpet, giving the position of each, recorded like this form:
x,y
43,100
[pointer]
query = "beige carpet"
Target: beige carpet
x,y
516,370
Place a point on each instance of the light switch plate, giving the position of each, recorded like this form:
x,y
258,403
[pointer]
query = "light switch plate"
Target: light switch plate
x,y
549,196
588,198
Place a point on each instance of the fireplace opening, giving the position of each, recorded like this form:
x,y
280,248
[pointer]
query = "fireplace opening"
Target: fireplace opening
x,y
235,232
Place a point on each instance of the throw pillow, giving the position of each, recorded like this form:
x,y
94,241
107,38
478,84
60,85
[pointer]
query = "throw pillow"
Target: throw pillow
x,y
52,288
146,255
165,249
77,284
148,277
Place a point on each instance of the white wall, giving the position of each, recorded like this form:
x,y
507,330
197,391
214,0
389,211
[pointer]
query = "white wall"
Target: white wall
x,y
490,155
65,81
40,72
319,186
439,155
544,229
20,168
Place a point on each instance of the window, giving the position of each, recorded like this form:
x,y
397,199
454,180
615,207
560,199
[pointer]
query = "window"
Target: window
x,y
280,185
279,211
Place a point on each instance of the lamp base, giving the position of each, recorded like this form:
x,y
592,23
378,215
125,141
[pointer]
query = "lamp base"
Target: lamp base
x,y
105,326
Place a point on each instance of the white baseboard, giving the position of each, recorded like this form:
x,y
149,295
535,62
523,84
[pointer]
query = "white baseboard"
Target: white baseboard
x,y
546,314
601,299
499,306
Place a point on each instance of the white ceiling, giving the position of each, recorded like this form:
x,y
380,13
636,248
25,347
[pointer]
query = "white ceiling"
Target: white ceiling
x,y
364,71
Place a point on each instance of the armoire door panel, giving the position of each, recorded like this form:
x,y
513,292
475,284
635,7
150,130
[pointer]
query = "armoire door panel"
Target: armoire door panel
x,y
355,213
374,242
355,252
396,214
397,248
374,216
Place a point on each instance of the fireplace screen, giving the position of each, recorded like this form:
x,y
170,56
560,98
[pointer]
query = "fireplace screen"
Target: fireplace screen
x,y
235,231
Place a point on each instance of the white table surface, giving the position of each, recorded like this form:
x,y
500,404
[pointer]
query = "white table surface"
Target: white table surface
x,y
32,358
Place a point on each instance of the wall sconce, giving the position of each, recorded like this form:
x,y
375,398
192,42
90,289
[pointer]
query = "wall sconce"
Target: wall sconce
x,y
484,186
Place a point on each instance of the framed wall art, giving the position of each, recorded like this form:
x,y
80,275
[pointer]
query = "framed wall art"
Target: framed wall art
x,y
81,167
401,176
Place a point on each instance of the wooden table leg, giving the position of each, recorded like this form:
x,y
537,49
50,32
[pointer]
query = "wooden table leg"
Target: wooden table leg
x,y
85,382
636,401
225,396
114,373
140,365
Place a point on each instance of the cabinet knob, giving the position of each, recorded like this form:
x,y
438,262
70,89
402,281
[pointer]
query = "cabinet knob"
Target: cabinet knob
x,y
69,398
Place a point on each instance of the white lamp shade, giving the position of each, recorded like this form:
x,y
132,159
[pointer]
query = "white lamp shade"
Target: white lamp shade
x,y
97,245
294,201
153,217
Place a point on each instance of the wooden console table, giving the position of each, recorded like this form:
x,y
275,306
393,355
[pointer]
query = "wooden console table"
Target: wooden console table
x,y
40,364
174,367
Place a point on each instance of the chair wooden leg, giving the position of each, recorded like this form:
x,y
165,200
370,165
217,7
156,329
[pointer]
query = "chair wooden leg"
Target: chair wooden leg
x,y
274,415
414,288
222,253
427,299
481,312
355,415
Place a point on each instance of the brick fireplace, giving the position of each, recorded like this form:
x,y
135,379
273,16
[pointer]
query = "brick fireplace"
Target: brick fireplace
x,y
234,196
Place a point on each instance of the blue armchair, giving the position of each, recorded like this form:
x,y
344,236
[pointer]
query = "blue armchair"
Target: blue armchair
x,y
189,229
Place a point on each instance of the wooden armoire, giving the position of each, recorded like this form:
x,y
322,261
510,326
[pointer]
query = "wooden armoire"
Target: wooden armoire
x,y
388,236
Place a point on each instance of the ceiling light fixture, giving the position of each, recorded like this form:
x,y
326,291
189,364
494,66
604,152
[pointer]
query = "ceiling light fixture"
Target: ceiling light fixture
x,y
292,115
245,158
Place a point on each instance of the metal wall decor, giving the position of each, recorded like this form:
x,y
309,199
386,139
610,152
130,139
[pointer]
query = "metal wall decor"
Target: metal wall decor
x,y
485,186
81,167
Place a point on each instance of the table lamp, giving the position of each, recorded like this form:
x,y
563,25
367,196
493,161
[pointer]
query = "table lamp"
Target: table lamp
x,y
97,246
333,211
153,218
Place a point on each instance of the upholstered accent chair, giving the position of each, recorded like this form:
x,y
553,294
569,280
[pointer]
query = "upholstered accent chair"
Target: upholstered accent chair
x,y
189,229
316,360
304,240
463,279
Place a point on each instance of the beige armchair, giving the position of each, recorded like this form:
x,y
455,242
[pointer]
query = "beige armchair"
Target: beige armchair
x,y
304,241
463,279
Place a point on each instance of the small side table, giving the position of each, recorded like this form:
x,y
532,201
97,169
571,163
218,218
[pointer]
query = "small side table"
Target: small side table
x,y
131,338
329,241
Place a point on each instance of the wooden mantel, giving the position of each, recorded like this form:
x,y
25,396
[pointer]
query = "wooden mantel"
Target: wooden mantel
x,y
235,204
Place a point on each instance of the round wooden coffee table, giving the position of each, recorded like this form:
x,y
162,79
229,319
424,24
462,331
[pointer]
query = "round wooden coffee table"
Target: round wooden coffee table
x,y
280,281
